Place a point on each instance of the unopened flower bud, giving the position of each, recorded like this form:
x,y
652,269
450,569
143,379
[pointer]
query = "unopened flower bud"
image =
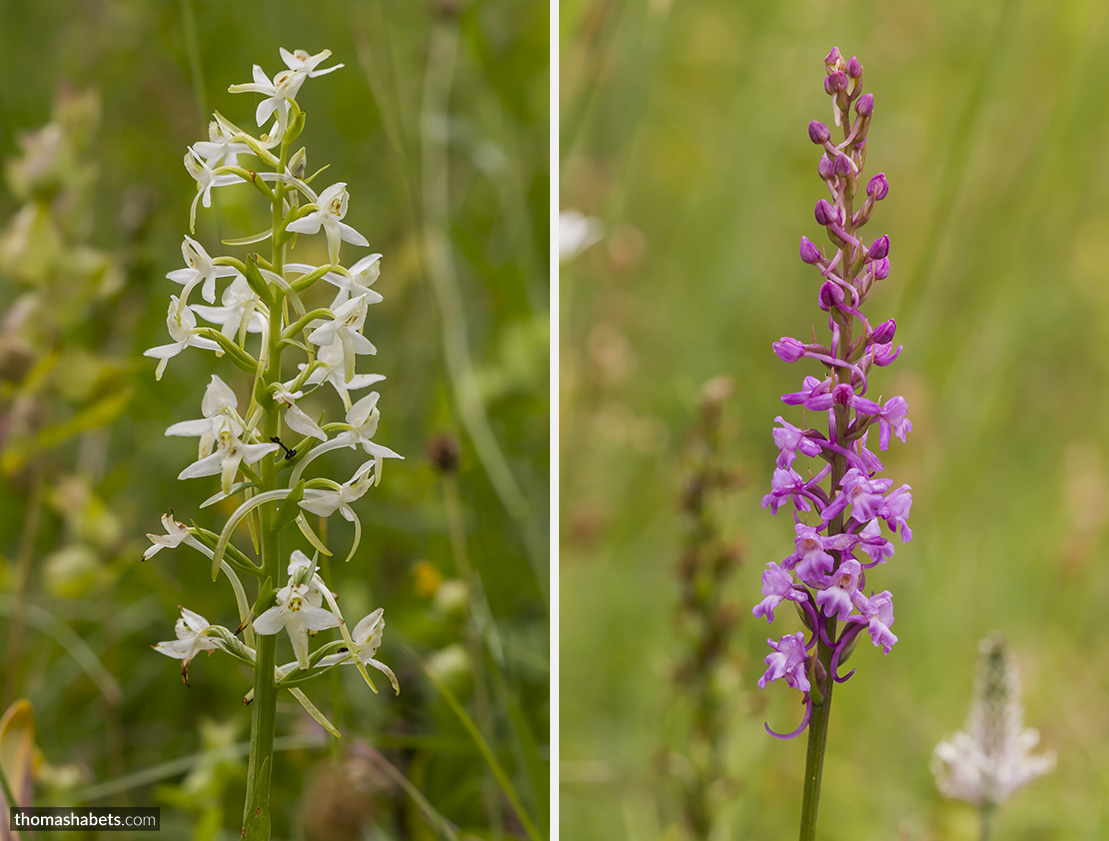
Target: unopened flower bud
x,y
881,268
825,213
878,187
819,133
818,680
833,60
854,69
841,166
789,350
831,295
836,82
881,247
883,333
824,168
298,163
865,106
809,252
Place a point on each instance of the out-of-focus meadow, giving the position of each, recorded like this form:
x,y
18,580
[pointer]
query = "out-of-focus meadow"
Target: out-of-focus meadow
x,y
683,129
438,123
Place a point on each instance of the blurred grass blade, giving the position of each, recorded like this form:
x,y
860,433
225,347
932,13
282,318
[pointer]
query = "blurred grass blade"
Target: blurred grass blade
x,y
74,645
537,769
467,722
394,773
165,770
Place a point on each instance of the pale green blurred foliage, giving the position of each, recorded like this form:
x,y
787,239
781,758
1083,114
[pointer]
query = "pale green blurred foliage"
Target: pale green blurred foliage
x,y
686,123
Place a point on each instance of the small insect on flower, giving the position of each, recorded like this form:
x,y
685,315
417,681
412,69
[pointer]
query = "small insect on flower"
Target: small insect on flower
x,y
289,453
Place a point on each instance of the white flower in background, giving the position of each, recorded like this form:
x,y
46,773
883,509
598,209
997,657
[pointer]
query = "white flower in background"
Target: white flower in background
x,y
357,282
230,453
367,640
176,534
205,181
295,418
238,297
346,328
301,62
219,402
191,640
363,417
985,763
218,147
576,233
330,367
325,503
330,209
298,611
278,93
183,331
199,270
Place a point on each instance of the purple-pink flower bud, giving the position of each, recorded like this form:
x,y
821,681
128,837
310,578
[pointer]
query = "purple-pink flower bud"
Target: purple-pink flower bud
x,y
789,350
841,166
881,247
819,133
835,83
824,168
831,295
832,60
843,394
883,333
865,106
809,252
825,213
881,268
854,69
878,187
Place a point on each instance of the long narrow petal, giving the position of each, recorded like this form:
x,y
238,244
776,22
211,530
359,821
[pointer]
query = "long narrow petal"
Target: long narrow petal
x,y
209,466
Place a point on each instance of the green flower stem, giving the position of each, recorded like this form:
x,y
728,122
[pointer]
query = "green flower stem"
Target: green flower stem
x,y
814,759
985,812
256,813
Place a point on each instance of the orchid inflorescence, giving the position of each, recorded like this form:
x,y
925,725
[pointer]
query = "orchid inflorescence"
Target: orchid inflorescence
x,y
255,450
838,528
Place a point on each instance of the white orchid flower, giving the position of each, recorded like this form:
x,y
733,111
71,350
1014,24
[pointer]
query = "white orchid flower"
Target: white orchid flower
x,y
300,62
330,367
183,331
191,640
230,453
205,179
199,269
237,299
367,640
330,209
295,418
356,282
218,147
279,93
298,611
176,534
325,503
363,417
219,401
346,327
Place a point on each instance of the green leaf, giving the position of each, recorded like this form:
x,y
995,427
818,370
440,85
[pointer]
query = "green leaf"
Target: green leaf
x,y
289,510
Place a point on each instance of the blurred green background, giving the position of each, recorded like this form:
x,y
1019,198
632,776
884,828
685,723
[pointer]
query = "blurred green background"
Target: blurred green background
x,y
683,129
439,125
